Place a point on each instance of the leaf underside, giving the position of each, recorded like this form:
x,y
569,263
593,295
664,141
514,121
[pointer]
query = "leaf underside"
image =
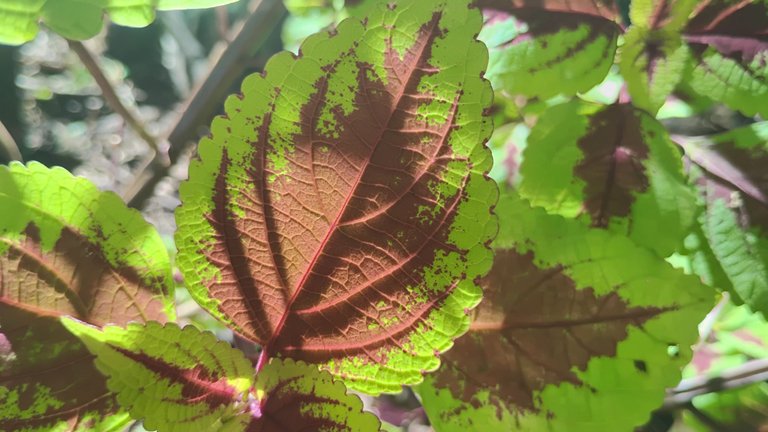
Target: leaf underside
x,y
78,19
339,214
68,249
573,318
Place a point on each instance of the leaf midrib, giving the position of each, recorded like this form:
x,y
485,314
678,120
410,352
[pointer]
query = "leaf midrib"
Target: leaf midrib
x,y
334,225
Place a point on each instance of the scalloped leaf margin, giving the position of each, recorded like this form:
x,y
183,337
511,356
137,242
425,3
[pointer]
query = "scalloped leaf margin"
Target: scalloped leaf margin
x,y
67,248
340,214
618,308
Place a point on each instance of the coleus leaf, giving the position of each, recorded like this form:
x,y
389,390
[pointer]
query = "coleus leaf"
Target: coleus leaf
x,y
654,55
575,332
734,184
79,19
614,166
534,44
183,379
66,248
339,214
729,45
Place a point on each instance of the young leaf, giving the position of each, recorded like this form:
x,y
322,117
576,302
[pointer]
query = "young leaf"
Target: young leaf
x,y
574,333
729,45
571,43
295,396
339,214
66,248
183,379
78,19
654,56
173,379
614,165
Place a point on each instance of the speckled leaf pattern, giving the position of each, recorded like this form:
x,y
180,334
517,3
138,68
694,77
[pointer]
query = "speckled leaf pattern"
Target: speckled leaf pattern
x,y
82,19
175,380
729,45
295,396
580,330
615,167
535,44
338,214
66,248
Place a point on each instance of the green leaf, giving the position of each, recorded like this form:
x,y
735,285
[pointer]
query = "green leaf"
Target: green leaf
x,y
339,214
580,330
295,396
742,254
183,379
729,43
82,19
733,182
615,167
549,43
174,379
66,248
654,56
652,65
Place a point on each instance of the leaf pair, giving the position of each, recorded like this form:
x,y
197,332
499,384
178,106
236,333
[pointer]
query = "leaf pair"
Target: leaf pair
x,y
68,249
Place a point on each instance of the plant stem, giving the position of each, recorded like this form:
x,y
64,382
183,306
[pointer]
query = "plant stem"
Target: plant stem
x,y
751,372
205,101
110,96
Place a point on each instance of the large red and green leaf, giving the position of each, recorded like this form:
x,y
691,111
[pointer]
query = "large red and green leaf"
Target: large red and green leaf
x,y
182,380
536,44
615,167
729,46
68,249
338,214
580,330
734,226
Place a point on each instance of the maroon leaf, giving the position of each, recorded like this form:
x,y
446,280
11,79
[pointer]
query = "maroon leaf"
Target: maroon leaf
x,y
567,310
615,165
49,374
736,29
734,164
534,329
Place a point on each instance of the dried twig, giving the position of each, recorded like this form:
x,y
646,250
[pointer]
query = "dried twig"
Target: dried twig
x,y
751,372
114,102
8,144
